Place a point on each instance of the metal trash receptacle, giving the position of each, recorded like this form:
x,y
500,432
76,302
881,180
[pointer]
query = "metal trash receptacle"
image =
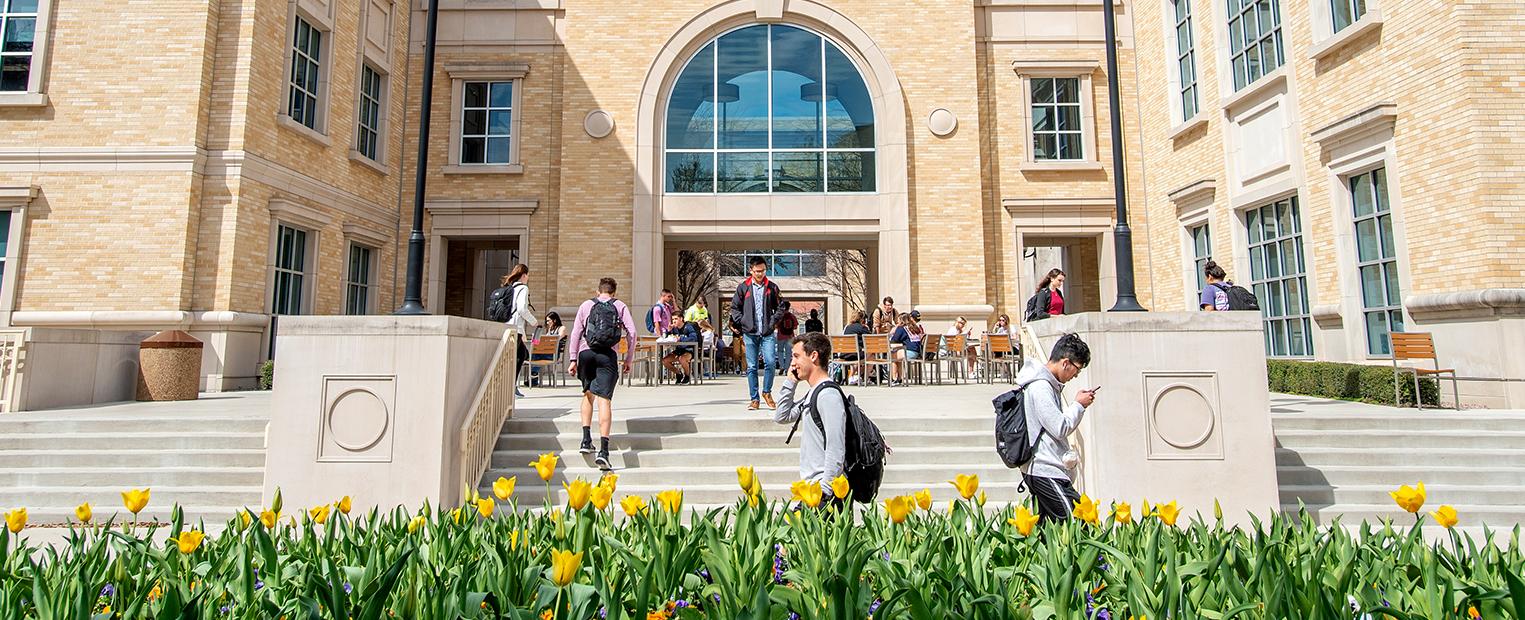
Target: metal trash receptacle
x,y
169,366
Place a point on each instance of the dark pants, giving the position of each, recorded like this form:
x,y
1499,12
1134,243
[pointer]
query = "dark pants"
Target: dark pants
x,y
1055,497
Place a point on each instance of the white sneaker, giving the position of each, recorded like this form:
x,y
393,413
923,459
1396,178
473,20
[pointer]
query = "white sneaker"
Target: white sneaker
x,y
853,380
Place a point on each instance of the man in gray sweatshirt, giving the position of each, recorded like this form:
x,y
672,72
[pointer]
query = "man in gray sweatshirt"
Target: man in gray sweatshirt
x,y
824,447
1049,424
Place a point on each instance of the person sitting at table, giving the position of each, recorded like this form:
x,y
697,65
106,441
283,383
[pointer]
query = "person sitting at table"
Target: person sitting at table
x,y
905,343
855,327
711,346
677,360
971,347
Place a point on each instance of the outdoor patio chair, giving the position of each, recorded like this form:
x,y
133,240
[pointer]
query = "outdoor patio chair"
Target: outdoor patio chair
x,y
554,368
841,348
954,354
876,354
1000,355
1419,346
916,367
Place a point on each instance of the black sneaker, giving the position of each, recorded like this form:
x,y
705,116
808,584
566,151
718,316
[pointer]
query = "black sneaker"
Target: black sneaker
x,y
602,461
587,446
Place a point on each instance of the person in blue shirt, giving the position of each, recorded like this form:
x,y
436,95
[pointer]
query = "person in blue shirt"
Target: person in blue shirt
x,y
906,339
677,361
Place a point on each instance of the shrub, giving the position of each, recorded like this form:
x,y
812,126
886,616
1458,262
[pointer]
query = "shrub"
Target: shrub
x,y
267,375
1358,382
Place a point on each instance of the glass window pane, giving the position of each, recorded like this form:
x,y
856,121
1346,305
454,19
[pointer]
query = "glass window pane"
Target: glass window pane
x,y
689,173
1289,257
1273,260
786,266
1183,8
1068,118
23,6
1376,333
14,72
1284,218
1367,247
1043,118
474,122
473,150
1183,38
797,172
798,91
1380,182
1390,274
691,108
1295,338
502,94
497,150
498,122
850,172
1279,337
1043,90
1269,57
1069,146
1044,147
1236,34
1268,223
850,116
1372,287
5,232
1067,90
19,34
1395,321
1278,299
740,173
1385,228
1241,72
1361,196
742,75
1294,298
1257,264
1253,224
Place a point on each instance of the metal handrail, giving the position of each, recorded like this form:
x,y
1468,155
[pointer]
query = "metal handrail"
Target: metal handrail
x,y
492,406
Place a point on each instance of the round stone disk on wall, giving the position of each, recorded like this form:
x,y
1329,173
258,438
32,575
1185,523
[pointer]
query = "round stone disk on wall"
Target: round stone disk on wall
x,y
598,124
942,122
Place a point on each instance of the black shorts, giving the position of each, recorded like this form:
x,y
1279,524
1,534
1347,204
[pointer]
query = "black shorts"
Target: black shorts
x,y
599,371
1055,497
680,352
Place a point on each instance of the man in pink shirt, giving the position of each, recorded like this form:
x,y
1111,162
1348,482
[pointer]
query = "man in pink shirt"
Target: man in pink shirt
x,y
601,323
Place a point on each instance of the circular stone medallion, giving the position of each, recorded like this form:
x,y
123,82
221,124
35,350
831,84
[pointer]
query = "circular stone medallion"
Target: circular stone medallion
x,y
1182,416
942,122
598,124
357,420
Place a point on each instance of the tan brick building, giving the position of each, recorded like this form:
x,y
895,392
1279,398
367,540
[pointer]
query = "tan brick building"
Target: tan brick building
x,y
1363,147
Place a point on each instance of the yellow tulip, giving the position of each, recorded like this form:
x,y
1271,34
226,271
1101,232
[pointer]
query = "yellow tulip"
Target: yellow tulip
x,y
189,541
609,480
135,500
1122,513
416,523
545,465
503,488
1167,512
797,489
246,516
345,504
898,508
840,487
967,485
485,507
269,518
671,500
319,514
564,565
1445,516
601,496
747,478
513,539
1409,498
752,500
455,515
981,500
811,493
633,505
1085,510
83,512
924,499
15,520
577,493
1024,521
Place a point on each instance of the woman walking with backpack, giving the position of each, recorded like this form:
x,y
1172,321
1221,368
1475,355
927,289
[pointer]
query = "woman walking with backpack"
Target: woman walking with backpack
x,y
520,317
1048,300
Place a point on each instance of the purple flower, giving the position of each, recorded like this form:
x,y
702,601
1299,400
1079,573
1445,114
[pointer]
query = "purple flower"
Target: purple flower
x,y
1104,614
107,590
716,597
224,609
874,606
885,555
258,584
603,612
348,588
705,573
794,616
682,603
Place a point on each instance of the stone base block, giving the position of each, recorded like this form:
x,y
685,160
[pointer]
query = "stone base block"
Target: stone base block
x,y
69,367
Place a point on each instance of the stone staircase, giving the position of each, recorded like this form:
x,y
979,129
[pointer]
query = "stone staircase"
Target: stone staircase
x,y
1344,458
208,455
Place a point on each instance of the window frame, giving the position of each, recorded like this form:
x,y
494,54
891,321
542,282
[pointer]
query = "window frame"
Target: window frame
x,y
1198,257
1247,12
323,25
1262,285
487,134
743,258
1085,72
459,75
379,99
366,288
15,200
1386,260
33,95
1357,9
1055,105
304,272
1180,84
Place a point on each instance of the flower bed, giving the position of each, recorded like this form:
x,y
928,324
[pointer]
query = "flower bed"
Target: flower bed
x,y
904,558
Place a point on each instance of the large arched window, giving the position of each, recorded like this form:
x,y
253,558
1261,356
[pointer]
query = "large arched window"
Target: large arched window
x,y
769,108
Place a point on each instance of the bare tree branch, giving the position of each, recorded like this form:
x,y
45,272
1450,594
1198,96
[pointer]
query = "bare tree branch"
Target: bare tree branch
x,y
698,275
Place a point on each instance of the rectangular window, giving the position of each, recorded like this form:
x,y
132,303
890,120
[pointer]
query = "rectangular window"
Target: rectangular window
x,y
1186,59
486,122
1201,252
1057,132
366,135
1254,36
5,239
781,263
1346,12
1376,260
306,71
1277,271
290,270
357,298
18,30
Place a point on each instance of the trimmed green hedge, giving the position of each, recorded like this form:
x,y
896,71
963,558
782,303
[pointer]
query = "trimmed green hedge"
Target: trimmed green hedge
x,y
267,375
1369,384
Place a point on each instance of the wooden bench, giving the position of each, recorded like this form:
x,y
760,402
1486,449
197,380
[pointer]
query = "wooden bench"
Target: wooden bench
x,y
1419,346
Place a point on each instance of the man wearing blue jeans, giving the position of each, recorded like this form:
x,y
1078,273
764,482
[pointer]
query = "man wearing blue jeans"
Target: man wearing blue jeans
x,y
753,309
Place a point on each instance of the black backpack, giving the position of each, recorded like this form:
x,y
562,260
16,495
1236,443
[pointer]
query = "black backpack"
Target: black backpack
x,y
1038,310
500,304
1011,429
604,328
863,463
1239,298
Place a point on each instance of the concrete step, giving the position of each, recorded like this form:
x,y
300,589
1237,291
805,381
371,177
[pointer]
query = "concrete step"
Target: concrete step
x,y
1437,494
773,437
1394,476
131,441
86,460
1394,457
163,496
135,424
756,457
1469,515
135,477
1454,439
1429,420
754,422
214,517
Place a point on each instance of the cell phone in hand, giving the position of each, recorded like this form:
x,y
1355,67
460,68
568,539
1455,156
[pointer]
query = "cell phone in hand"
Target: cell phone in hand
x,y
1094,389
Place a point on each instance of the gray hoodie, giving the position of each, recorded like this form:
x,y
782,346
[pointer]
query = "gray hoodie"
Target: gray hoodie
x,y
1047,415
821,454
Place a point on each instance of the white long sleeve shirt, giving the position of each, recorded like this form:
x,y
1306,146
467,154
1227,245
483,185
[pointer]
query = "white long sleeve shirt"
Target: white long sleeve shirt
x,y
822,455
1047,413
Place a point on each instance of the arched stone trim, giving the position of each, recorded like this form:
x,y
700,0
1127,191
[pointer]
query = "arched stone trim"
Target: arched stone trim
x,y
889,206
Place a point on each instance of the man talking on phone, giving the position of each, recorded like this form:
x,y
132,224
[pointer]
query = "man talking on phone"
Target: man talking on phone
x,y
1049,476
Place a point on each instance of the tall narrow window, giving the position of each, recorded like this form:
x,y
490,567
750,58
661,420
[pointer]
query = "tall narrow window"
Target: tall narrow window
x,y
487,114
1277,270
290,270
1057,133
306,69
369,130
1346,12
1376,260
1201,252
18,29
1186,59
357,299
5,238
1254,37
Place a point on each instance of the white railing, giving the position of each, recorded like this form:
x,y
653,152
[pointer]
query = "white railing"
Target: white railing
x,y
491,407
12,349
1031,348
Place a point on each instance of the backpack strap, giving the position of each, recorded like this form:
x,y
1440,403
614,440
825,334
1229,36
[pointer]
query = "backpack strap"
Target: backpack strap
x,y
814,416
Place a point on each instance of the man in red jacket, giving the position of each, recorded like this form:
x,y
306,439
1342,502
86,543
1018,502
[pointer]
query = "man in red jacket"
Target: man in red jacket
x,y
753,310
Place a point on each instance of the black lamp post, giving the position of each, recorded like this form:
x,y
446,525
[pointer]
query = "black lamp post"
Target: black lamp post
x,y
1122,236
413,291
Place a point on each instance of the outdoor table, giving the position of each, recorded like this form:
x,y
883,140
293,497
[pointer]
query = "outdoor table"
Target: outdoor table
x,y
663,347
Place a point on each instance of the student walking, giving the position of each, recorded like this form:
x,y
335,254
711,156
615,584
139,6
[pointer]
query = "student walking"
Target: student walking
x,y
823,451
514,293
1215,294
659,317
601,323
1049,475
753,309
785,324
1048,300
